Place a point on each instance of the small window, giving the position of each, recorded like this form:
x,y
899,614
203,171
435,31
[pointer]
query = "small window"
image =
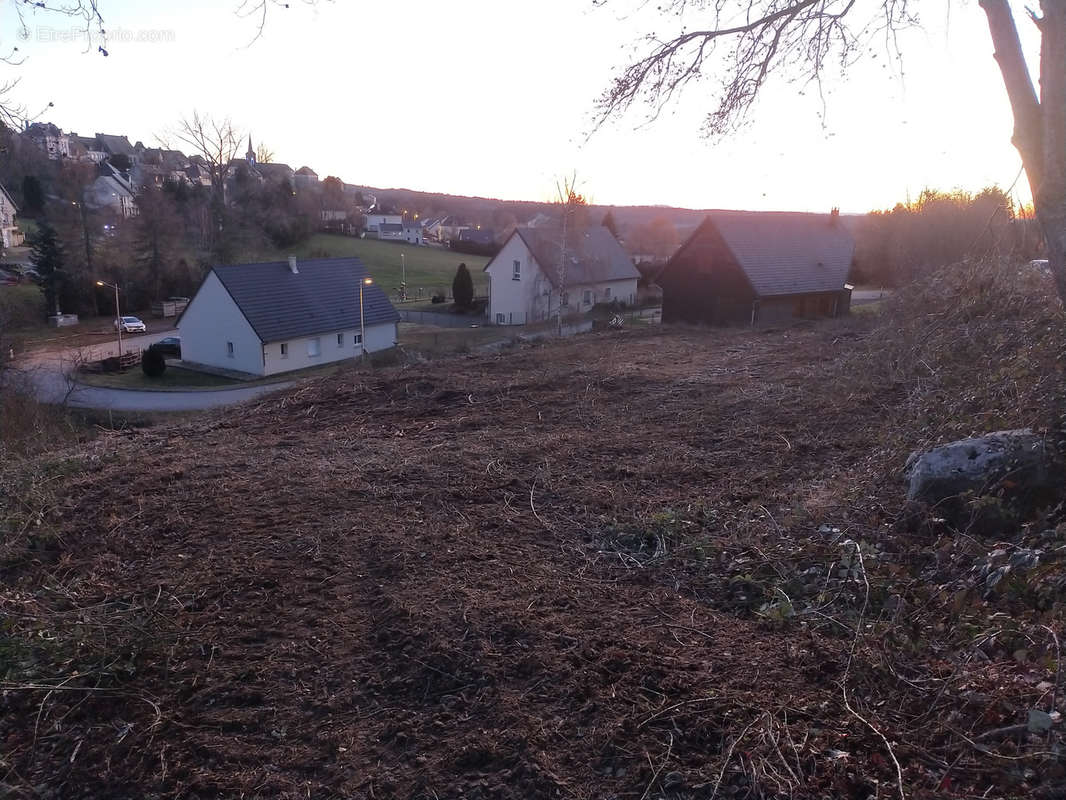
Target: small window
x,y
607,293
588,297
517,270
229,349
566,298
314,347
500,319
284,349
358,338
340,340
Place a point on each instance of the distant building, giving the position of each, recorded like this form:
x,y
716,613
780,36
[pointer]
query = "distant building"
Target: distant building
x,y
306,178
86,148
527,283
113,145
412,232
746,267
50,139
111,193
280,316
9,233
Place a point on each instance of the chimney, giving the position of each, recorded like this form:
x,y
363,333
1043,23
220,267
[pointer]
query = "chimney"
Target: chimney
x,y
292,266
834,216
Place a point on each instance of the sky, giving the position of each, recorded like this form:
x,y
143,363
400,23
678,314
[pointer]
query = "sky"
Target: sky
x,y
495,98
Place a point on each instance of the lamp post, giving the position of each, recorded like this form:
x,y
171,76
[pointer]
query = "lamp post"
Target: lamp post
x,y
118,315
362,326
403,276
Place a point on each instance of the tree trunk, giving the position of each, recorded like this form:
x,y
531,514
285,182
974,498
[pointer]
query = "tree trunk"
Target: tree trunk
x,y
1039,124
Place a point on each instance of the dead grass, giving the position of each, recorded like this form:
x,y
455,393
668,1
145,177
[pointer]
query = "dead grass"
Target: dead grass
x,y
661,562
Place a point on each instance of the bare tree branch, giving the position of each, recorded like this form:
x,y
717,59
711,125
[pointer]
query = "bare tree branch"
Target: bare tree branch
x,y
748,41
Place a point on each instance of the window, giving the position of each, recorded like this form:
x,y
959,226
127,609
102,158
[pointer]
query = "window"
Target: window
x,y
588,297
314,347
358,338
284,349
229,349
566,298
517,265
340,340
500,319
607,293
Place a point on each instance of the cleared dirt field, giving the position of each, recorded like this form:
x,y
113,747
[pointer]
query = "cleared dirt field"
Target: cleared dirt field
x,y
556,571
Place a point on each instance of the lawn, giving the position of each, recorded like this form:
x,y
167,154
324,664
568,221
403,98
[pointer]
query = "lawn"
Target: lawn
x,y
428,268
174,379
177,379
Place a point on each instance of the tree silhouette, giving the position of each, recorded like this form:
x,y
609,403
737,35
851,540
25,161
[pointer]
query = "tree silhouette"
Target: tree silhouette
x,y
463,287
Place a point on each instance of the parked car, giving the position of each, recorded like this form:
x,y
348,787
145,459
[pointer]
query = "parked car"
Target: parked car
x,y
131,325
169,346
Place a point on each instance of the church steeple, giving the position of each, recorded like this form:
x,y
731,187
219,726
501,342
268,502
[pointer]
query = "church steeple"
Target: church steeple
x,y
250,155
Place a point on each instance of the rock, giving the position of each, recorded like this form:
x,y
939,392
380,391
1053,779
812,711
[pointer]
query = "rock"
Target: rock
x,y
1019,461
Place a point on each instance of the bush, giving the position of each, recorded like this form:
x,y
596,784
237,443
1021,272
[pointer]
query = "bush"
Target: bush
x,y
153,363
463,287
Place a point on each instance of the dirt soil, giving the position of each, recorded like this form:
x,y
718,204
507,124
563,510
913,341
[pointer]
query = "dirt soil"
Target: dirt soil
x,y
555,571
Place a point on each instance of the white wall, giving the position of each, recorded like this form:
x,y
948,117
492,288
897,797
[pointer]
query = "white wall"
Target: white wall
x,y
383,219
520,301
378,337
533,299
211,320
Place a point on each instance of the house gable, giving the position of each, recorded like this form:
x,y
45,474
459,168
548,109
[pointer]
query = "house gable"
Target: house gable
x,y
704,282
212,321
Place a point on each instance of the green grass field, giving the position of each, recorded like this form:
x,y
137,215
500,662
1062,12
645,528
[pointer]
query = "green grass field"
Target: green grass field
x,y
428,268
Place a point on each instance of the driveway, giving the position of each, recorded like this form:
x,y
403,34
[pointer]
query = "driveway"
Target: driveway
x,y
45,372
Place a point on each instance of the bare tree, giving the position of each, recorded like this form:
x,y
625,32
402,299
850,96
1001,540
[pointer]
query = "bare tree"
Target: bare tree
x,y
572,205
213,139
748,40
263,154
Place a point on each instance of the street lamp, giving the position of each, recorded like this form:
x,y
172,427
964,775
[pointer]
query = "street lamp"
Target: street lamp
x,y
362,326
403,277
118,315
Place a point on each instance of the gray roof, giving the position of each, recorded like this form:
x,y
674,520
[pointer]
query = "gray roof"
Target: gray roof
x,y
306,171
594,256
115,144
787,252
322,298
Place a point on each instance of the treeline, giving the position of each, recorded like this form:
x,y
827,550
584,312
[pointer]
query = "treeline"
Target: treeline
x,y
896,246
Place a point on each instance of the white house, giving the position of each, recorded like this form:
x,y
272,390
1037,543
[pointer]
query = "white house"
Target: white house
x,y
10,235
279,316
525,284
412,232
376,220
113,193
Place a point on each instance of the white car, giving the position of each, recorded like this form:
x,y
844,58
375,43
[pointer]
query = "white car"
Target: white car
x,y
131,325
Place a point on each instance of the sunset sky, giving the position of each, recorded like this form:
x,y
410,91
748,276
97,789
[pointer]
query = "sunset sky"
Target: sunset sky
x,y
492,98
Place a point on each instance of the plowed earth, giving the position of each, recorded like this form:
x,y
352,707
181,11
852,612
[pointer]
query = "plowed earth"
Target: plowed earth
x,y
495,576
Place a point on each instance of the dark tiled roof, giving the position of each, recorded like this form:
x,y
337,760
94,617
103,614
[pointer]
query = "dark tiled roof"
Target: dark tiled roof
x,y
476,236
593,257
323,297
115,144
786,252
306,171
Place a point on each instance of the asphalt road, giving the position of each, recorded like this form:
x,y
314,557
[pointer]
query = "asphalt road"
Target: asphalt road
x,y
44,373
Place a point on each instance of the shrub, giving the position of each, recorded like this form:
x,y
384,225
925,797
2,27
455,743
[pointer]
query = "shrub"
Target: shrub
x,y
463,287
153,363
